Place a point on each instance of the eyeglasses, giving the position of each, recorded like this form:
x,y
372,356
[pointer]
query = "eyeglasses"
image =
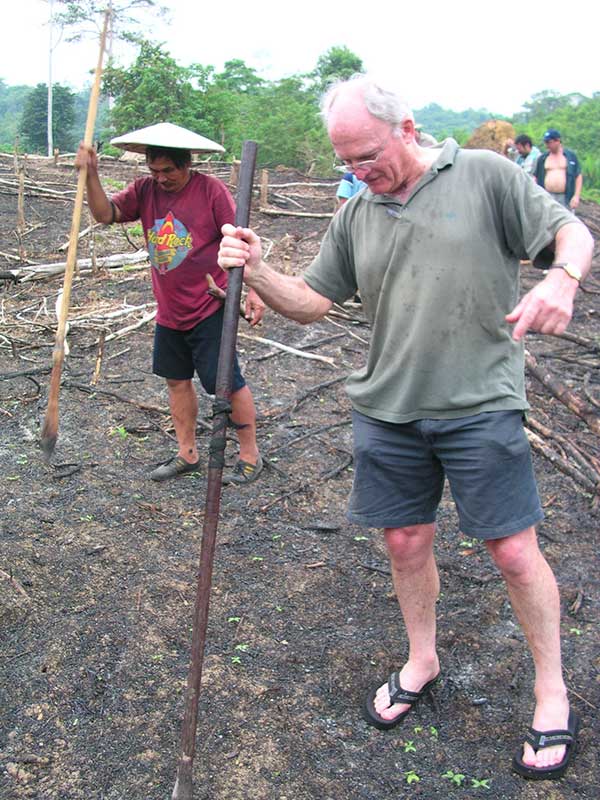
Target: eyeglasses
x,y
362,166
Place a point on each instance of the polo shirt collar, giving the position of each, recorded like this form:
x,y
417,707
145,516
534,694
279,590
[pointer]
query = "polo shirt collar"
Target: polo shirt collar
x,y
448,150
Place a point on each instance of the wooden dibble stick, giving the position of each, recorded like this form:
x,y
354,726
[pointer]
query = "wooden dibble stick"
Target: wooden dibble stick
x,y
50,427
183,785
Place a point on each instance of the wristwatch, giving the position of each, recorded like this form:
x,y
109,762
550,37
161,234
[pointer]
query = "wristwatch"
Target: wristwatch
x,y
571,270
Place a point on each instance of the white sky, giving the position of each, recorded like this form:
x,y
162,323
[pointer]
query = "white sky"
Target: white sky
x,y
457,53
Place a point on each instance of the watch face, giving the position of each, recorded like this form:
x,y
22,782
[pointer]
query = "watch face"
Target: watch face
x,y
573,271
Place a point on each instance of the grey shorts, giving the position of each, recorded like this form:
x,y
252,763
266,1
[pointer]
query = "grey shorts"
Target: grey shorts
x,y
400,471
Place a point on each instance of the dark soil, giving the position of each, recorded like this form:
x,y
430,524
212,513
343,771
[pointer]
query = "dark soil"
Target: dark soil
x,y
98,563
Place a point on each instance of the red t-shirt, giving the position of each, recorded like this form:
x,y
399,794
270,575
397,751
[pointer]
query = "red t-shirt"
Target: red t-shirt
x,y
183,232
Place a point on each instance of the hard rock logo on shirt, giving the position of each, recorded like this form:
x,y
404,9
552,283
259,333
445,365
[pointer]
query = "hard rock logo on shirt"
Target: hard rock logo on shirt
x,y
169,242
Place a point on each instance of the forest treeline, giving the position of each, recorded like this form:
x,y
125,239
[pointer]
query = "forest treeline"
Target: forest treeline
x,y
235,104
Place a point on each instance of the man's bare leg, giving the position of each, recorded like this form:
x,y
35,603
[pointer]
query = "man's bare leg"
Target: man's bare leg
x,y
183,403
243,412
417,586
535,600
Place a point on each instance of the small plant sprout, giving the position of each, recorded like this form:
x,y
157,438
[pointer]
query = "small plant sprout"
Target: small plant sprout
x,y
236,660
483,784
242,647
455,777
412,777
120,431
409,747
576,631
361,538
257,558
418,729
234,619
279,608
434,731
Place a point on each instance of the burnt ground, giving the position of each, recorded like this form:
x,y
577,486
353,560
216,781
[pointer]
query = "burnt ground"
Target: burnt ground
x,y
98,563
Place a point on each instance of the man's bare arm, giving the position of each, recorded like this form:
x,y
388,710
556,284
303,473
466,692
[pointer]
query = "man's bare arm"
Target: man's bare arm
x,y
288,295
548,307
102,209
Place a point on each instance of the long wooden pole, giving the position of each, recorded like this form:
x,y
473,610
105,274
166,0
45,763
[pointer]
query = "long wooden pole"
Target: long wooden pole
x,y
221,408
50,427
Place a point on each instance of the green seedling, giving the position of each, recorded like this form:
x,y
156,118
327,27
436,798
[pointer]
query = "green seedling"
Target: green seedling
x,y
120,431
136,230
412,777
455,777
257,558
434,731
236,660
361,538
233,619
409,747
576,631
87,518
279,608
242,647
484,784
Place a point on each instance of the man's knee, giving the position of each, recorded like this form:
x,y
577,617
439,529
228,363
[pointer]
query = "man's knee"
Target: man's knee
x,y
405,545
515,555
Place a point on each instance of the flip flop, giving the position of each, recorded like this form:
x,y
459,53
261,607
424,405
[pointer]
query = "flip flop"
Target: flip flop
x,y
397,695
541,739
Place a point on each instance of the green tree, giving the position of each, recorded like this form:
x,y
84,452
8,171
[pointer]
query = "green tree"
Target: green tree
x,y
12,99
153,89
338,63
34,119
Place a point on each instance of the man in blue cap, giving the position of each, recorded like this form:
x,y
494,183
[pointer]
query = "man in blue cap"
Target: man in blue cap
x,y
559,172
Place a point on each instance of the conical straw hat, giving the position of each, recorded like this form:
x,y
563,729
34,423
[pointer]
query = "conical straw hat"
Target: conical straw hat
x,y
165,134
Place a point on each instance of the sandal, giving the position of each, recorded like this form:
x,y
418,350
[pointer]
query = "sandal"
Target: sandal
x,y
541,739
397,695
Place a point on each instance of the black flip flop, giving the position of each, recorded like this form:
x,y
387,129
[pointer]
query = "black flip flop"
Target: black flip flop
x,y
397,695
541,739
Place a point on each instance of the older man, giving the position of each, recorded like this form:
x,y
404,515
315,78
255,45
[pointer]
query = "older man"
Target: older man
x,y
433,245
182,213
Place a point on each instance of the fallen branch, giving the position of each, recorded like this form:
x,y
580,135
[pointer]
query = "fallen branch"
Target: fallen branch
x,y
580,479
280,213
568,446
560,391
41,271
287,349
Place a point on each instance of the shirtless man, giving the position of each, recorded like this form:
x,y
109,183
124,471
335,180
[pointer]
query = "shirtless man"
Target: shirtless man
x,y
558,171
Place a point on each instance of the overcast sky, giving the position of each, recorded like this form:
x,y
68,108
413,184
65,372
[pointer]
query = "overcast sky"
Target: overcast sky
x,y
460,54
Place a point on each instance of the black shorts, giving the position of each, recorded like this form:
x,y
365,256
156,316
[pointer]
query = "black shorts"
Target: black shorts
x,y
400,471
177,354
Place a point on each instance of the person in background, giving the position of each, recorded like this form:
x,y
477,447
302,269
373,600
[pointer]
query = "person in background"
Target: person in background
x,y
558,171
182,212
434,243
348,187
528,153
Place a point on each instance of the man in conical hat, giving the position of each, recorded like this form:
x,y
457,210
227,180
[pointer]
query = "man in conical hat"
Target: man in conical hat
x,y
182,213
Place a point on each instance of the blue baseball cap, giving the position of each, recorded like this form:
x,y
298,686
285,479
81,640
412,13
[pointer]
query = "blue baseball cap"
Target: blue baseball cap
x,y
551,133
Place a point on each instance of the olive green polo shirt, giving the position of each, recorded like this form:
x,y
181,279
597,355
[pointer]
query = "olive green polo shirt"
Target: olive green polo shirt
x,y
437,275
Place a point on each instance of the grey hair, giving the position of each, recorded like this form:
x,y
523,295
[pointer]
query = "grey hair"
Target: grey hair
x,y
381,99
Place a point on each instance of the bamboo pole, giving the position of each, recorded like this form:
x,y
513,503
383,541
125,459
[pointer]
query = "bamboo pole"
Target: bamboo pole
x,y
50,427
